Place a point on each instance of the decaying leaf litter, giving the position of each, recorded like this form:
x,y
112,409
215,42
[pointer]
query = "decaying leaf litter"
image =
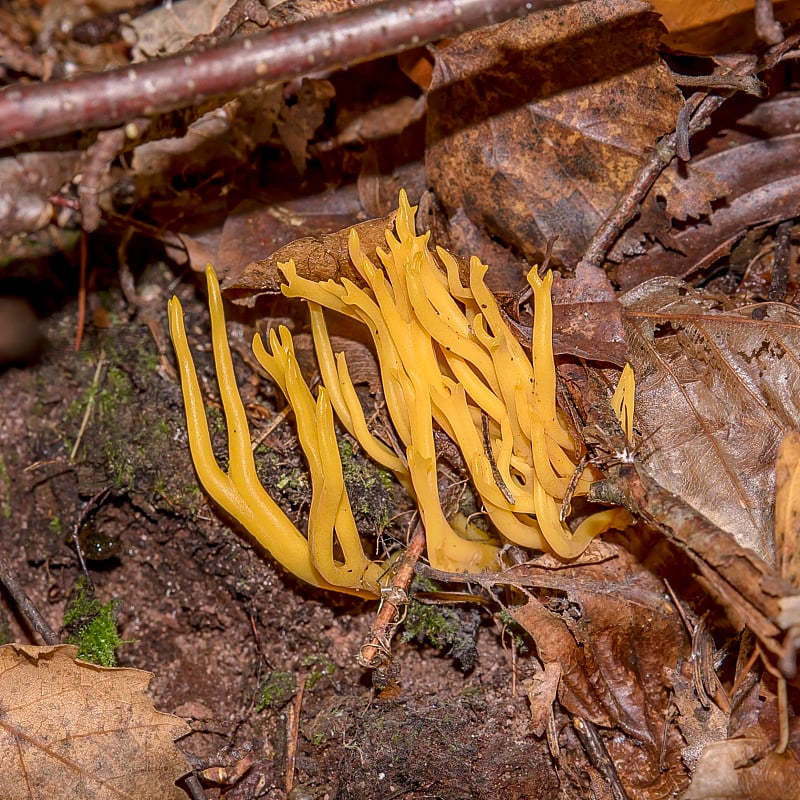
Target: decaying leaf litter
x,y
661,662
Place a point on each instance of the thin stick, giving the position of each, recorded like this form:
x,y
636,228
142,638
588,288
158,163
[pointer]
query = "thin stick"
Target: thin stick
x,y
377,650
292,732
101,362
14,587
106,99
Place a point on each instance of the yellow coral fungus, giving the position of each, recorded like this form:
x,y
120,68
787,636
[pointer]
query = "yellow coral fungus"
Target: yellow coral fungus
x,y
447,358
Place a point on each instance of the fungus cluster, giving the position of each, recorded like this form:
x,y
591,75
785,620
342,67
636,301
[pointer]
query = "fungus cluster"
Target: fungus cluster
x,y
447,360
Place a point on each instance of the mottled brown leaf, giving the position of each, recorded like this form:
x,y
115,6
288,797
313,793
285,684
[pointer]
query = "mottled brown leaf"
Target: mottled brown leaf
x,y
317,258
536,126
255,229
72,729
716,392
587,317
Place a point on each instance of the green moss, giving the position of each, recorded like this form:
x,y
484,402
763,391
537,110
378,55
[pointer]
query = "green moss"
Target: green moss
x,y
276,690
92,625
56,526
368,487
286,483
449,628
216,420
133,416
322,666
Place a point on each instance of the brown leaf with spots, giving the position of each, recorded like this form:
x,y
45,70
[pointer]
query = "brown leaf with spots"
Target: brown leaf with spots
x,y
72,729
537,126
317,258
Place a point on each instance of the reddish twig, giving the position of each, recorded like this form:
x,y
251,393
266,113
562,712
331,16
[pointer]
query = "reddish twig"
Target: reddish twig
x,y
106,99
376,652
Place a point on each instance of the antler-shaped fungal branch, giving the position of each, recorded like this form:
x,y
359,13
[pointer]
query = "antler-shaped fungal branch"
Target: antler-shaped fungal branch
x,y
239,491
447,357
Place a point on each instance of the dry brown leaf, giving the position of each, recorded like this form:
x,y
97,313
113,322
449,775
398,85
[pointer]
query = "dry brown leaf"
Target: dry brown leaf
x,y
699,726
612,635
317,258
747,768
536,126
715,26
189,146
167,28
254,228
763,180
299,121
751,764
26,183
69,729
541,690
587,317
716,391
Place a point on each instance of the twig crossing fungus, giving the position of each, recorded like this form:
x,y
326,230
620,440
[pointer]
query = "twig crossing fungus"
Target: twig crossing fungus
x,y
447,358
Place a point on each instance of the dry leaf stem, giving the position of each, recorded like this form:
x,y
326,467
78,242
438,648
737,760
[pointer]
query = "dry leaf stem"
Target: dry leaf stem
x,y
105,99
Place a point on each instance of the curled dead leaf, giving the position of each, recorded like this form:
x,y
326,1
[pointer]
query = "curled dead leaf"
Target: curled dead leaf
x,y
317,258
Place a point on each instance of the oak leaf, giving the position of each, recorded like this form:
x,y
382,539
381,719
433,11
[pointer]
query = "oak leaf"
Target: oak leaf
x,y
70,729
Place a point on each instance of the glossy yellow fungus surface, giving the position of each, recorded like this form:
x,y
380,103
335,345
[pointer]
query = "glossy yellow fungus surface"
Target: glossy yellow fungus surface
x,y
447,359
